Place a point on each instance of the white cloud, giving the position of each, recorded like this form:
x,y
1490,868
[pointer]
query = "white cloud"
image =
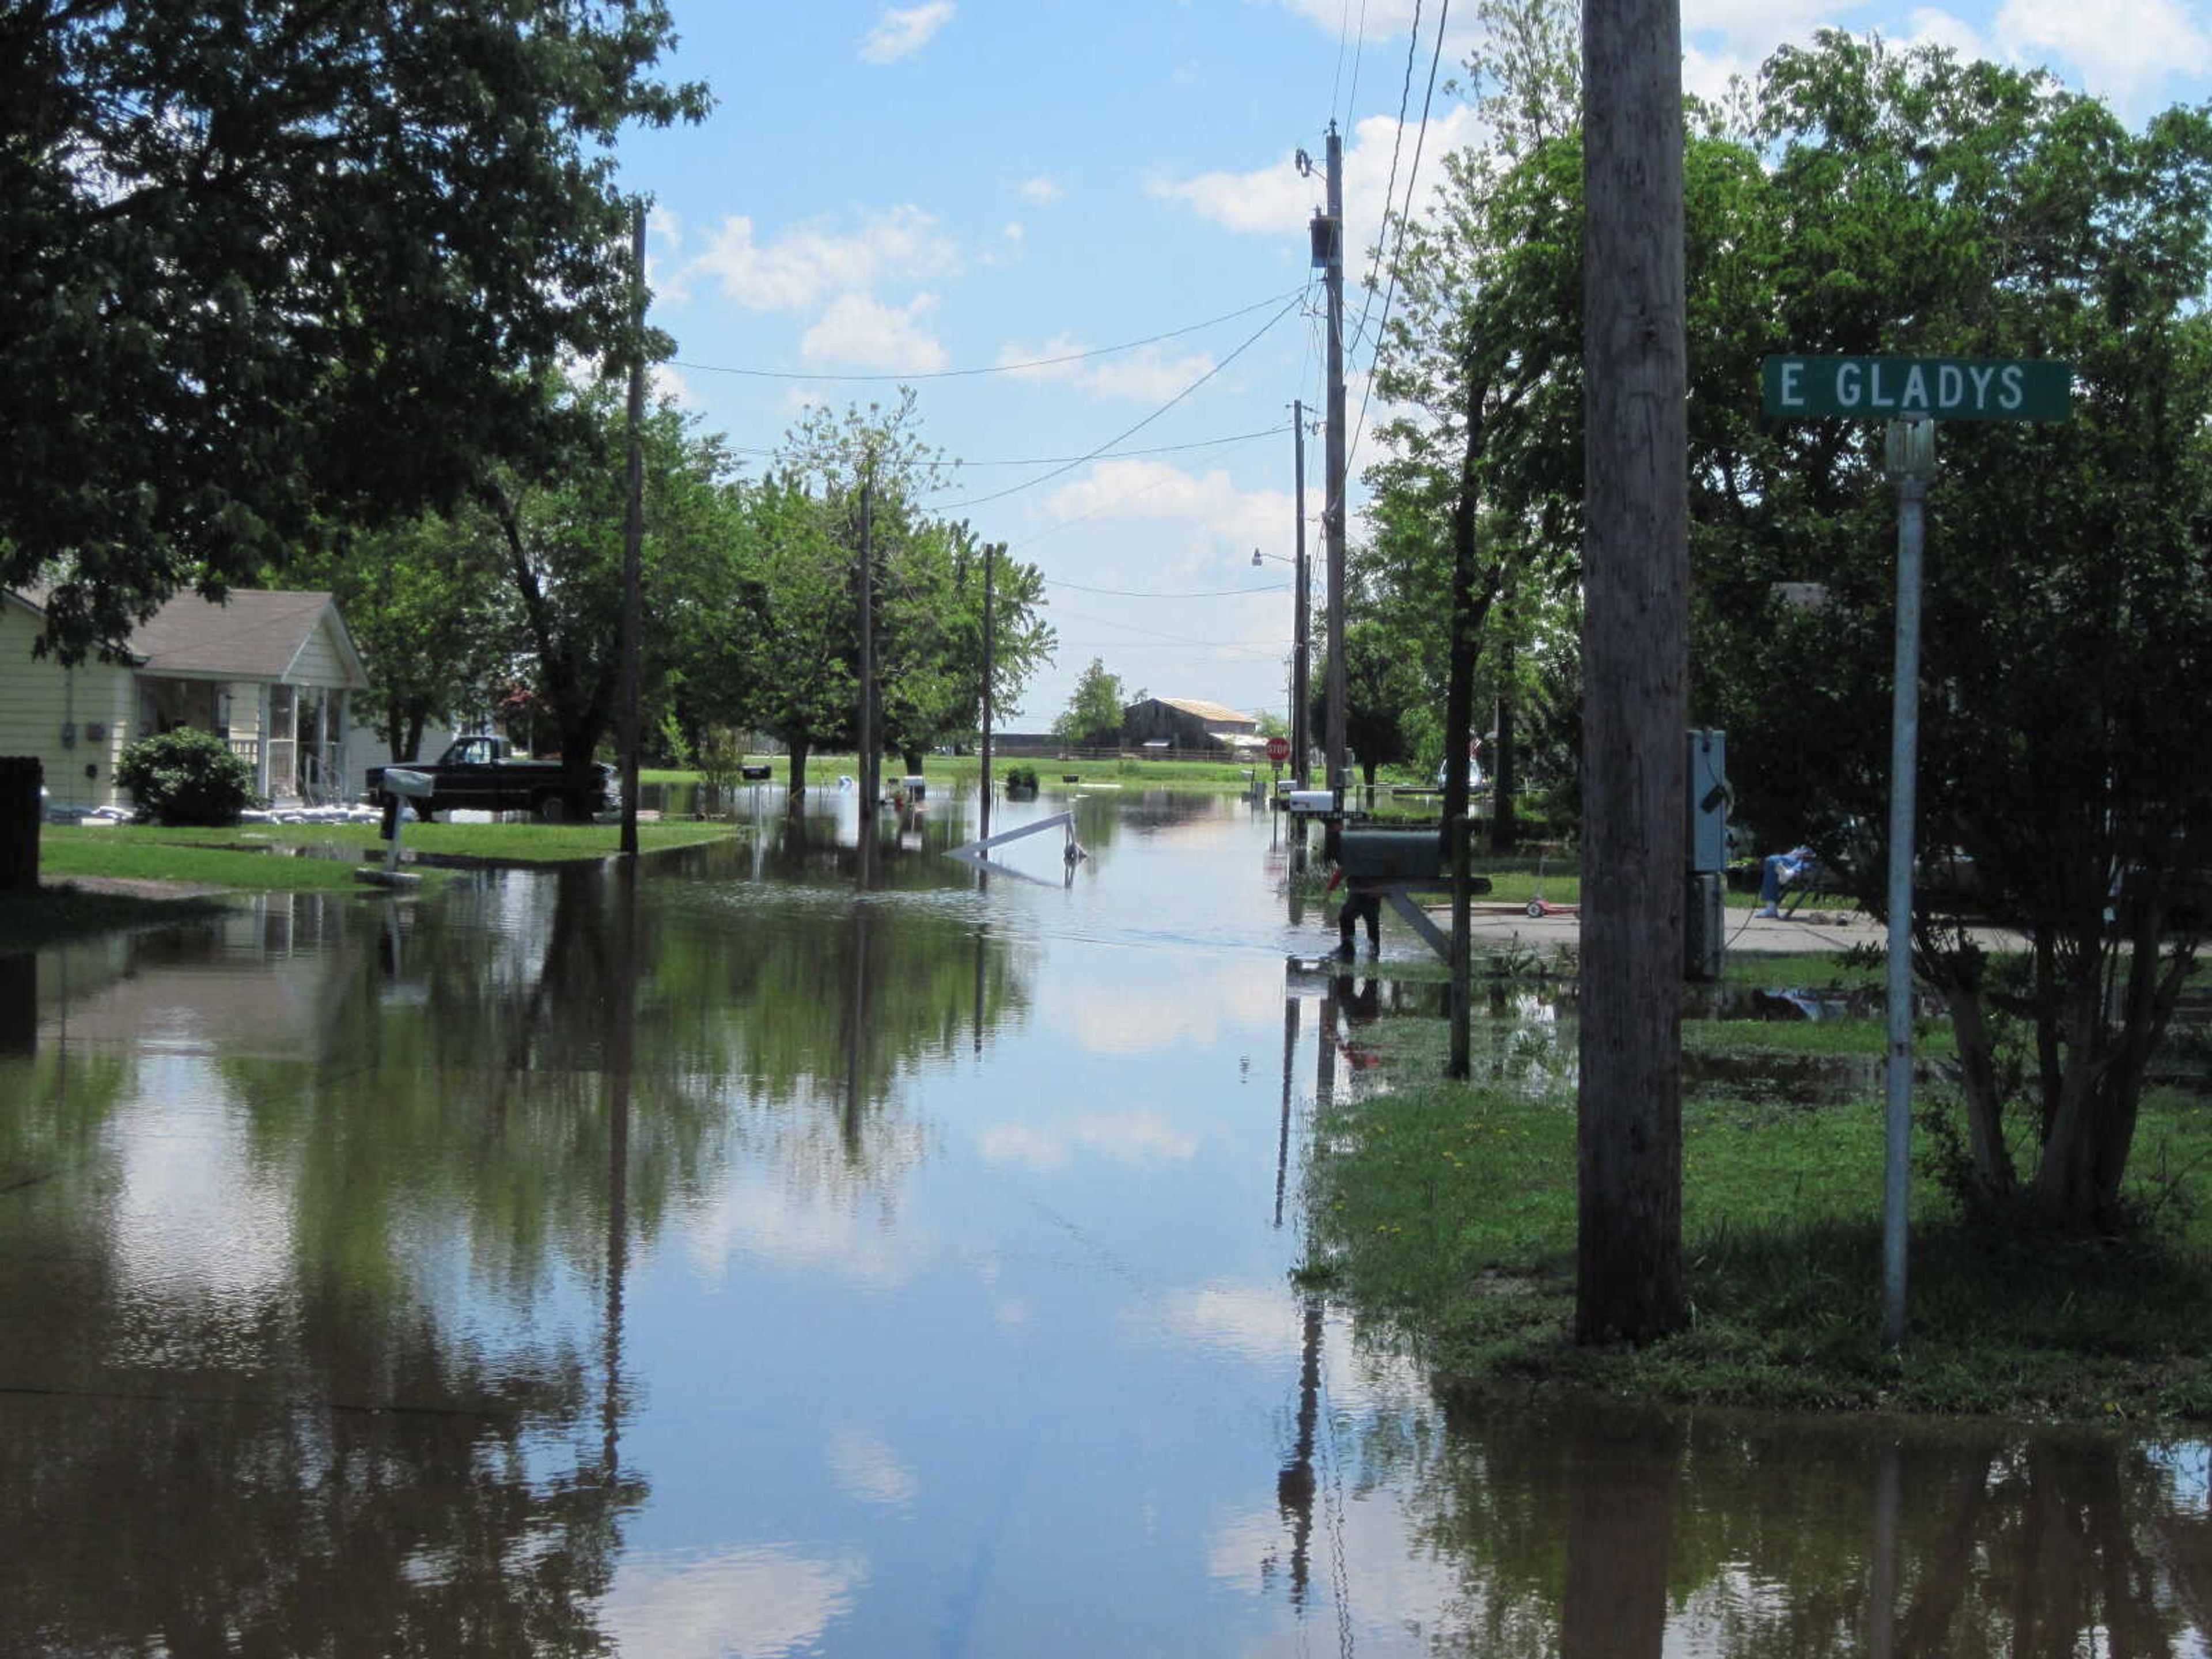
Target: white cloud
x,y
664,382
1150,374
1041,189
742,1603
865,1469
1932,26
1377,20
903,31
798,399
1137,1137
1275,201
2123,49
1752,28
809,264
1708,74
666,224
1152,491
861,333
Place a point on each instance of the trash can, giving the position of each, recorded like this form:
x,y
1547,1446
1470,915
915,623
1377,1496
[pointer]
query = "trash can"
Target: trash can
x,y
22,780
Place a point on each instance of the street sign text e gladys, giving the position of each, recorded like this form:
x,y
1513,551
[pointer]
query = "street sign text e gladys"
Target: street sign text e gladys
x,y
1888,388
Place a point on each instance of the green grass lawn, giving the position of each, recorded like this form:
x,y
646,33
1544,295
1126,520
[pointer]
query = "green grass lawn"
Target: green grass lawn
x,y
132,849
265,858
1448,1212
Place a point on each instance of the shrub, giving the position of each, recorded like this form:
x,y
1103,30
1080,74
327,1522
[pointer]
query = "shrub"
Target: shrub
x,y
721,758
1021,777
186,777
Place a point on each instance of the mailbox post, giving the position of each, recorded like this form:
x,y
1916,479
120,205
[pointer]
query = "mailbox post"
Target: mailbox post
x,y
400,786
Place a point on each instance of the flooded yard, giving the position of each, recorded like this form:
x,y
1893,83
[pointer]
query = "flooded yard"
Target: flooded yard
x,y
759,1256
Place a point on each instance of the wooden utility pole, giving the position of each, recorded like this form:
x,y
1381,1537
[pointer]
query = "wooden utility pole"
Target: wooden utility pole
x,y
1332,516
985,833
1636,614
1302,692
865,582
633,624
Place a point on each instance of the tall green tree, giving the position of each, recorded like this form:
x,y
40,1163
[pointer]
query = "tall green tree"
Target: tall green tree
x,y
267,267
561,545
770,633
1093,714
1935,206
427,603
1481,356
933,632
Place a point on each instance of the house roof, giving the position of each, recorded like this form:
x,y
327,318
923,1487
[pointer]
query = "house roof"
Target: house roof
x,y
253,635
1209,711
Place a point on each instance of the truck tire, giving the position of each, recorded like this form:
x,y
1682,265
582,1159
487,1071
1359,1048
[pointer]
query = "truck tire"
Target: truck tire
x,y
552,808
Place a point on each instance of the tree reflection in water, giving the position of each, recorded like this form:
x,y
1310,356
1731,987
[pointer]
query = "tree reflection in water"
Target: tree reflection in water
x,y
279,1378
1606,1530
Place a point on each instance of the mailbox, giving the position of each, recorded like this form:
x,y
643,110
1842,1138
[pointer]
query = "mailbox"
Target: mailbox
x,y
1311,800
1391,855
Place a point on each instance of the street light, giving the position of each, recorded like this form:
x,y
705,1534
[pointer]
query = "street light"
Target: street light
x,y
1299,691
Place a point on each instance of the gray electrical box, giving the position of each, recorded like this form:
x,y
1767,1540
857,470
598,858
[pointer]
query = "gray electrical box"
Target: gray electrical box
x,y
1705,927
1706,842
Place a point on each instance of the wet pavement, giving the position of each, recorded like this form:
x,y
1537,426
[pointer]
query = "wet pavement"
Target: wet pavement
x,y
730,1261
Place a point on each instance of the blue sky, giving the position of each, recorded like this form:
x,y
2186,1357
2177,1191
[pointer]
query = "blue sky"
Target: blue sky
x,y
960,185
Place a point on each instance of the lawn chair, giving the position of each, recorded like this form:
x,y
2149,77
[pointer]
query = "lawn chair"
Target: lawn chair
x,y
1815,880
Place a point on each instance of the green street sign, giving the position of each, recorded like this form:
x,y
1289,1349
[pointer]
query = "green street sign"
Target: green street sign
x,y
1891,388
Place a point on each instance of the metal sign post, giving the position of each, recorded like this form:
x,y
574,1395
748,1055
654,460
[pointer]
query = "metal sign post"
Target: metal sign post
x,y
1910,462
1912,393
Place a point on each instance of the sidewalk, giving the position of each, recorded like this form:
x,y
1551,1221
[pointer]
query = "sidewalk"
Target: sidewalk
x,y
1807,932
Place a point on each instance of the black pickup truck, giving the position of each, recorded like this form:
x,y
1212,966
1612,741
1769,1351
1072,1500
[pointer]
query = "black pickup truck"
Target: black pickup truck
x,y
482,774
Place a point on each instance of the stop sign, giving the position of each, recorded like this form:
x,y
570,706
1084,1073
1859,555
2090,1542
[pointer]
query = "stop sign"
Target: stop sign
x,y
1278,750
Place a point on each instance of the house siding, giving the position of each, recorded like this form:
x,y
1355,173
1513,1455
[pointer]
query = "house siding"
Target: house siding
x,y
39,698
318,662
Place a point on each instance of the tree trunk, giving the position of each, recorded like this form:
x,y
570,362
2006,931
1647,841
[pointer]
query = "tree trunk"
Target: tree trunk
x,y
1505,765
412,749
580,781
1635,572
799,747
1977,1082
912,758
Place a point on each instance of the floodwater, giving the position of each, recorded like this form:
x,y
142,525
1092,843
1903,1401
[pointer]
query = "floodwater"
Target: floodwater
x,y
726,1262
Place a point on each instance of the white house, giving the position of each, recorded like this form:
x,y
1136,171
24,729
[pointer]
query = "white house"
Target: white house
x,y
276,675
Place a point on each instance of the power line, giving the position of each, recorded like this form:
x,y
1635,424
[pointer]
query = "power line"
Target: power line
x,y
1178,639
1121,454
1443,17
1131,593
1048,460
1390,189
996,368
1045,478
1066,524
1358,45
1273,651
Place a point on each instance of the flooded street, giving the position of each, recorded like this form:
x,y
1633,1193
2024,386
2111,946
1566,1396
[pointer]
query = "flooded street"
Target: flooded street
x,y
725,1261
